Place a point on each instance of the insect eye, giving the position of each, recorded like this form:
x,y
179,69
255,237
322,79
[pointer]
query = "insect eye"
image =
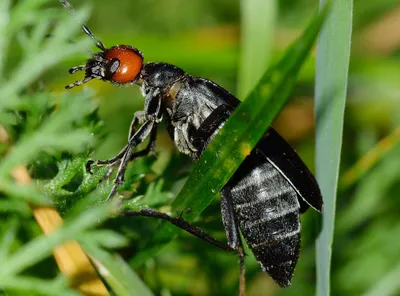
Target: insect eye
x,y
130,63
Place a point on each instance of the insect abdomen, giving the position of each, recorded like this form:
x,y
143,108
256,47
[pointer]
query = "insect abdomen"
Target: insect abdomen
x,y
267,210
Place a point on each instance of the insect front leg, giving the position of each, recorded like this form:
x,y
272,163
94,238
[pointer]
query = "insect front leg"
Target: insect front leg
x,y
152,112
114,161
136,139
149,148
152,116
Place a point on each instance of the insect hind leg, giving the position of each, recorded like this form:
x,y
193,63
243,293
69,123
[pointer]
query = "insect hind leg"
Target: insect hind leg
x,y
234,245
181,223
233,235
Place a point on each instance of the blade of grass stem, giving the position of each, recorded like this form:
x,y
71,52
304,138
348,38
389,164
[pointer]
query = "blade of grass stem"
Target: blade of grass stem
x,y
333,55
4,19
116,272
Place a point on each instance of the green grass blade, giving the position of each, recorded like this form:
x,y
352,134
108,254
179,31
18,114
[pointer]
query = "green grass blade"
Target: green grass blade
x,y
25,285
4,19
333,56
116,272
238,136
39,248
8,234
257,30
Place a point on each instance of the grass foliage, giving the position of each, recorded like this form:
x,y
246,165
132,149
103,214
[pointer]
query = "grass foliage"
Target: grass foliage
x,y
330,100
52,133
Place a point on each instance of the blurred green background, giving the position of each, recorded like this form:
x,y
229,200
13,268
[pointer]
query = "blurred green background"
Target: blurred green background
x,y
204,38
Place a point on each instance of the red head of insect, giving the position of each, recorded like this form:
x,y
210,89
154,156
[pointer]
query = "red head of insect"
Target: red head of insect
x,y
120,64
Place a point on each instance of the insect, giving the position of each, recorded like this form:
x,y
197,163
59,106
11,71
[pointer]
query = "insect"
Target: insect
x,y
266,195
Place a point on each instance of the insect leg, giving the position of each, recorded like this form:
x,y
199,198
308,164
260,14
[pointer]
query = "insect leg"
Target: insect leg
x,y
232,233
242,275
111,162
115,160
150,147
136,139
152,113
228,218
76,69
136,119
181,223
79,82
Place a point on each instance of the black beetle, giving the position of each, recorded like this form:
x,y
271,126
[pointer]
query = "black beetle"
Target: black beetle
x,y
265,196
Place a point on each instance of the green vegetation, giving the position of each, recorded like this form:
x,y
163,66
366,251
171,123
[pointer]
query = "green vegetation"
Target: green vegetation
x,y
53,132
330,100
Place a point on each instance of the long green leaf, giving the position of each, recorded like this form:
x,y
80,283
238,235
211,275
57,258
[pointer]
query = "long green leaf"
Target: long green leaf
x,y
331,86
34,286
4,19
37,249
238,136
116,272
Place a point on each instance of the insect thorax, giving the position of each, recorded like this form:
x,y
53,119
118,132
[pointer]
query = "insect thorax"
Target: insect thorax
x,y
186,101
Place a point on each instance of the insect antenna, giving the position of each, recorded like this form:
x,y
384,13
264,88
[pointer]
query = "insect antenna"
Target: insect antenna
x,y
85,29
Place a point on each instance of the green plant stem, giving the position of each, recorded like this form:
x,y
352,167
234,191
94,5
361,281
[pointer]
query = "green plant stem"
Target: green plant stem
x,y
333,55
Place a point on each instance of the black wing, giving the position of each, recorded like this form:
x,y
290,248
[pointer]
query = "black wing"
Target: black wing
x,y
267,193
267,211
282,156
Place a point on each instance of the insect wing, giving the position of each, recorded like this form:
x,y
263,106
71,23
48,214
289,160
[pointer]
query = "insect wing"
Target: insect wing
x,y
282,156
268,192
267,211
